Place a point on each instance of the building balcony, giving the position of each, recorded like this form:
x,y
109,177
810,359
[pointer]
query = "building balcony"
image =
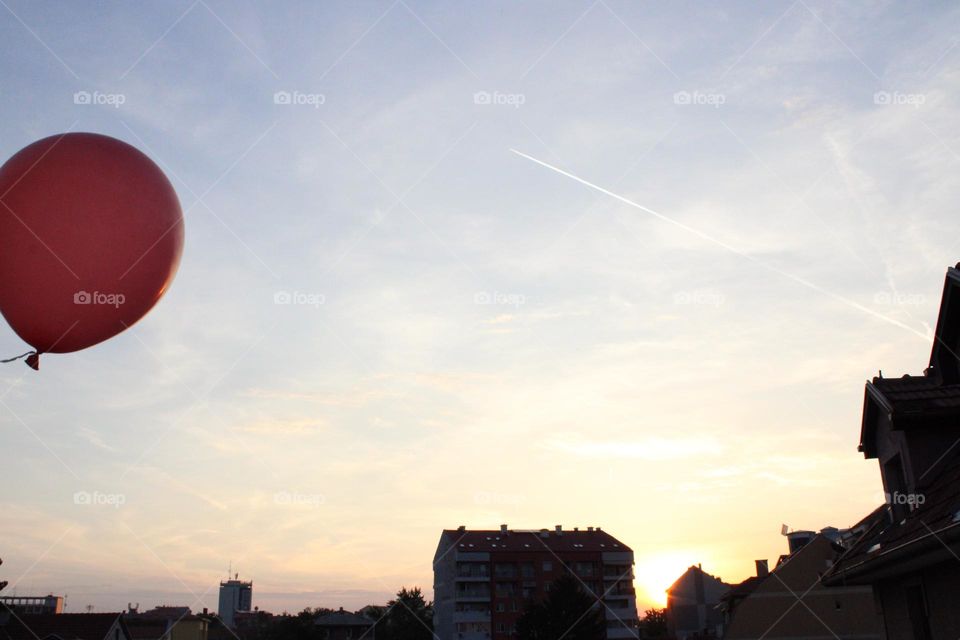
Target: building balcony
x,y
473,578
473,597
626,614
471,616
614,571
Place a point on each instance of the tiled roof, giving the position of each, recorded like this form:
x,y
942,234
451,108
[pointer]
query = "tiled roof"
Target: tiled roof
x,y
934,523
526,540
917,393
744,589
66,626
689,575
143,629
910,401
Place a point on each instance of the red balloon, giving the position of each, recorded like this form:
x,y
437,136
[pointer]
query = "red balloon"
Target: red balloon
x,y
91,234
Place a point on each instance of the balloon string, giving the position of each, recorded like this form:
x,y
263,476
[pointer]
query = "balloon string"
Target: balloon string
x,y
15,358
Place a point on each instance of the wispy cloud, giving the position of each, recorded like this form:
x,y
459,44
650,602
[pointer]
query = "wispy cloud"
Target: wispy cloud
x,y
652,448
96,440
479,312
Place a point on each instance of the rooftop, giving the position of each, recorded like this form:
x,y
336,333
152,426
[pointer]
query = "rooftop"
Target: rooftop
x,y
66,626
909,394
927,529
591,539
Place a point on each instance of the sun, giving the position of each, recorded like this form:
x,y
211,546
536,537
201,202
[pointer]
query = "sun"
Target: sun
x,y
654,573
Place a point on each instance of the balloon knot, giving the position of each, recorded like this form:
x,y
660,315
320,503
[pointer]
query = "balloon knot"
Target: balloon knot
x,y
33,359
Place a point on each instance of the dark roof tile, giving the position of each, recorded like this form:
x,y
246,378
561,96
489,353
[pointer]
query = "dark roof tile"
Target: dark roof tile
x,y
66,626
940,510
526,540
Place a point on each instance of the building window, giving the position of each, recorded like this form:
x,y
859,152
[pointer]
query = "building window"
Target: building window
x,y
500,608
547,565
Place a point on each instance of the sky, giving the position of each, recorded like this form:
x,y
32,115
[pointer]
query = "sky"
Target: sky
x,y
585,263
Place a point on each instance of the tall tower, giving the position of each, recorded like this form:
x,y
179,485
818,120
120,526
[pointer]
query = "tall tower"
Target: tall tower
x,y
235,595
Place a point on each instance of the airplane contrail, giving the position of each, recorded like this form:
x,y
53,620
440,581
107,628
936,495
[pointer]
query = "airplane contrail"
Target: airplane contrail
x,y
720,243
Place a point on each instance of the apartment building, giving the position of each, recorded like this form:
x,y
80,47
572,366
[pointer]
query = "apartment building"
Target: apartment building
x,y
235,596
484,579
31,605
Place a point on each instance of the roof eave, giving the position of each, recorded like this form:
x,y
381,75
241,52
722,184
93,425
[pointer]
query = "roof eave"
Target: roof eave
x,y
929,549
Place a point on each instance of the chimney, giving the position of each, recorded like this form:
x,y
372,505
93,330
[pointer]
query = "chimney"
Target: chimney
x,y
559,529
461,529
762,570
503,528
589,528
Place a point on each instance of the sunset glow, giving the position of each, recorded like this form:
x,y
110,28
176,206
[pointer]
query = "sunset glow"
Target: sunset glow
x,y
657,572
613,264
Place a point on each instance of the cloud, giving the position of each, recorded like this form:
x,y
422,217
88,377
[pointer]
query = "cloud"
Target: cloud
x,y
653,448
279,426
341,398
96,440
400,373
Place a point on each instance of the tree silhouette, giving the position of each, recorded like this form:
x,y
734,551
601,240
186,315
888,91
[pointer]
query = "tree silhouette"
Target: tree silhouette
x,y
408,617
301,626
568,612
654,623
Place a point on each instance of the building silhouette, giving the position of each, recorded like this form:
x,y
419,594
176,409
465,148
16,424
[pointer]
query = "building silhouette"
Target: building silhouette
x,y
235,596
484,579
910,552
65,626
167,622
343,625
792,602
692,604
34,604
